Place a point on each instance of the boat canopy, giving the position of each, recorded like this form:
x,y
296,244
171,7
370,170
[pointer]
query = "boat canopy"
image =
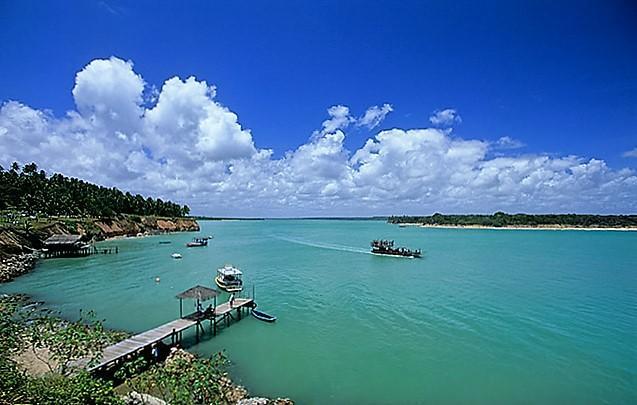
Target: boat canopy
x,y
228,270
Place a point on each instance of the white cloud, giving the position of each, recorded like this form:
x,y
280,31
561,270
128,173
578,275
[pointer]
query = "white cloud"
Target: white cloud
x,y
190,148
630,153
445,118
187,124
506,142
109,93
374,116
340,118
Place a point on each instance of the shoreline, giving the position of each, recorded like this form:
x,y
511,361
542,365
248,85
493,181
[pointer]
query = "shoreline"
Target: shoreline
x,y
518,227
20,249
16,265
144,235
34,363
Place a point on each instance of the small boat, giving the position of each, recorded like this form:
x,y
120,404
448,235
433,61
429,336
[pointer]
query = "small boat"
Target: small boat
x,y
164,242
176,256
229,279
386,248
197,242
262,316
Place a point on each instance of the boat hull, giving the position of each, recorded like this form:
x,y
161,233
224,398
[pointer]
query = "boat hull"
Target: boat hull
x,y
396,254
262,316
399,256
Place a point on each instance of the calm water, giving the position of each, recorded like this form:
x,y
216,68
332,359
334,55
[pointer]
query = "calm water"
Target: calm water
x,y
485,317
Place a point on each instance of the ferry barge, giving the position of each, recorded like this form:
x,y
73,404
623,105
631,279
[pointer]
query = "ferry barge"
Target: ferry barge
x,y
386,248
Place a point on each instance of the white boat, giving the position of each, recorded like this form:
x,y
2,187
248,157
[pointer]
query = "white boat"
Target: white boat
x,y
176,256
229,278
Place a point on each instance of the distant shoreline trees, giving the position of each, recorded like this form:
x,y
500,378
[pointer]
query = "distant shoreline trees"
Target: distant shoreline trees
x,y
501,219
30,190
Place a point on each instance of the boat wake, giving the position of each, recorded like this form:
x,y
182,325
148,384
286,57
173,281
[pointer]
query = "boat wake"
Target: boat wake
x,y
323,245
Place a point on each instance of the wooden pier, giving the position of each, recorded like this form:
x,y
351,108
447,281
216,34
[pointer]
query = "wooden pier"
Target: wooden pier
x,y
80,252
72,246
221,315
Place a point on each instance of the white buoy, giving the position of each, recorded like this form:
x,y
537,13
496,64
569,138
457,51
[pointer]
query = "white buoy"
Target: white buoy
x,y
157,279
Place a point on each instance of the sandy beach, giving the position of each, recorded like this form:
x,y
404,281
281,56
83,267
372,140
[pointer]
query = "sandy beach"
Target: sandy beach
x,y
521,228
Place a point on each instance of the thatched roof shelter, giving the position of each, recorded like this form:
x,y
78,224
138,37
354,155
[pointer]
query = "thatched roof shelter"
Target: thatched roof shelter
x,y
198,292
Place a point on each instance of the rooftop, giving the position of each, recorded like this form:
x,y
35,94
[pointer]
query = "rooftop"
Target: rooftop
x,y
198,292
63,239
228,270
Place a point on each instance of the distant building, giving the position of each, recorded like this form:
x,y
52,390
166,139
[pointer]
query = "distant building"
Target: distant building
x,y
64,242
65,245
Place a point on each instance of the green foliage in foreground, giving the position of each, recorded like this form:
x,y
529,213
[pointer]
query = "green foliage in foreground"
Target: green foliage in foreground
x,y
31,191
67,342
181,380
500,219
184,380
80,388
17,329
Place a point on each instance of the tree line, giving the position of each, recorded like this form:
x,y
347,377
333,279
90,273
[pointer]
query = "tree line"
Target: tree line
x,y
30,190
501,219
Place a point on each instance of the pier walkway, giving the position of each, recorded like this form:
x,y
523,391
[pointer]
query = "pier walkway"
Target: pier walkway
x,y
137,344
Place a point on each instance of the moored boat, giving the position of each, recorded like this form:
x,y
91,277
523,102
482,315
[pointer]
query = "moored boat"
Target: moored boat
x,y
229,278
176,256
262,316
197,242
386,248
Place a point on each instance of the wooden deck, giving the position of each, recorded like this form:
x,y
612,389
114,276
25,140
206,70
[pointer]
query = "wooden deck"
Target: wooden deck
x,y
173,329
138,342
223,309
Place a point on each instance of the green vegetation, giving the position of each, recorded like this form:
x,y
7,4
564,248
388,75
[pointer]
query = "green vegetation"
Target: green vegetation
x,y
182,380
500,219
22,329
185,379
32,192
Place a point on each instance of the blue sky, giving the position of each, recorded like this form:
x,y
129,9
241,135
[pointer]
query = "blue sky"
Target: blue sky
x,y
559,78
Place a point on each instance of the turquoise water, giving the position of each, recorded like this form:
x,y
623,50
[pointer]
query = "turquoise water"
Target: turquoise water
x,y
487,316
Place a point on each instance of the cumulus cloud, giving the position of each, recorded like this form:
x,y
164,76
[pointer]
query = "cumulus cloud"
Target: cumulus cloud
x,y
340,118
506,142
108,93
630,153
374,116
187,124
188,147
445,118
